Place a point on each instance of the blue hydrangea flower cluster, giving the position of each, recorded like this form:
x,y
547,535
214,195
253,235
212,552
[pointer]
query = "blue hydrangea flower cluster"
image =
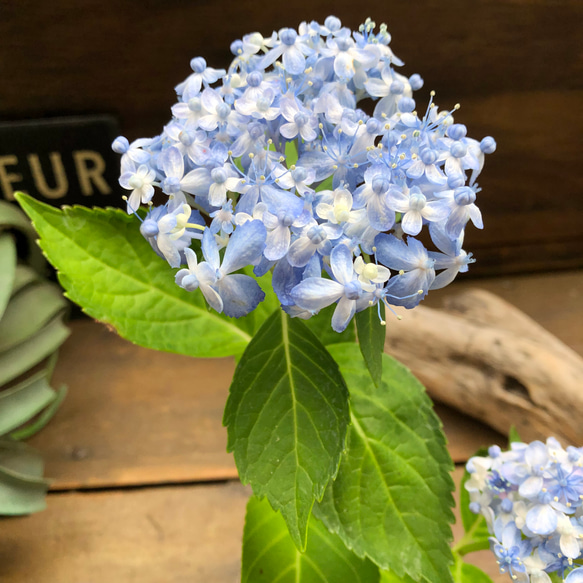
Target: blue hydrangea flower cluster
x,y
532,500
274,161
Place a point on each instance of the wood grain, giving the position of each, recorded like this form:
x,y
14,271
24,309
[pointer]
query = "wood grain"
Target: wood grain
x,y
488,359
514,65
554,300
136,416
171,535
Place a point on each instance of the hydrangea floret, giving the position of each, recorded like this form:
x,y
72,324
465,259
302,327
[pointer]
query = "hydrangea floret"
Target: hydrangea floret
x,y
277,161
532,499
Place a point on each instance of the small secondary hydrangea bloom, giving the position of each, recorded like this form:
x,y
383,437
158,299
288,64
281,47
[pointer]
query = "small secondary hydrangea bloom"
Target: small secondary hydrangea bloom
x,y
278,146
532,500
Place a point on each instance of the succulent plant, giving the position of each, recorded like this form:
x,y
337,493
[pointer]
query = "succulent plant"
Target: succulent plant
x,y
32,310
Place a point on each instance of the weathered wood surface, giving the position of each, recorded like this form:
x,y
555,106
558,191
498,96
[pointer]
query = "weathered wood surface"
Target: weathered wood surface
x,y
553,300
488,359
136,416
171,535
158,535
513,64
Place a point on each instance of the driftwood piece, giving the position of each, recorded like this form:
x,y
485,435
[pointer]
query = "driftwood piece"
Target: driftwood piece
x,y
488,359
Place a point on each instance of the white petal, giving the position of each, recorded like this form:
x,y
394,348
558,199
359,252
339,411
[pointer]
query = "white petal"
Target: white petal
x,y
412,222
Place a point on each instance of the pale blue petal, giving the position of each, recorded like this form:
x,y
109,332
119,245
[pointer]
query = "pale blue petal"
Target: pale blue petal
x,y
575,576
300,252
245,246
412,222
289,130
341,264
541,519
387,105
343,313
511,536
476,216
210,249
403,289
444,278
316,293
377,88
308,133
380,216
344,66
172,162
569,546
271,56
293,60
443,242
536,454
456,222
168,249
197,182
319,161
212,297
280,200
240,293
394,253
284,279
277,243
435,175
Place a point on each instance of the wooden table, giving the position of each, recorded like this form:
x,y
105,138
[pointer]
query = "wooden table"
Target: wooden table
x,y
143,489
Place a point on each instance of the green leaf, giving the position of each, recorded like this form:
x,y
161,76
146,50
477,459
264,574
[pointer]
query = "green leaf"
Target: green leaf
x,y
7,270
475,529
22,487
513,436
321,326
465,573
371,339
110,270
326,184
390,577
270,555
391,500
28,312
291,153
43,418
22,402
27,354
287,415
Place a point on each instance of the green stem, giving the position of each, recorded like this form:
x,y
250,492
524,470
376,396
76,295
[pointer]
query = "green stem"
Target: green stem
x,y
467,543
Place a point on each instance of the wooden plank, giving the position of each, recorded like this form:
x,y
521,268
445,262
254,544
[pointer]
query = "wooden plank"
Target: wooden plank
x,y
173,534
136,416
509,62
170,535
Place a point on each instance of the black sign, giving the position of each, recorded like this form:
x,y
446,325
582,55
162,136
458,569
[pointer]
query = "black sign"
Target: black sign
x,y
61,160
